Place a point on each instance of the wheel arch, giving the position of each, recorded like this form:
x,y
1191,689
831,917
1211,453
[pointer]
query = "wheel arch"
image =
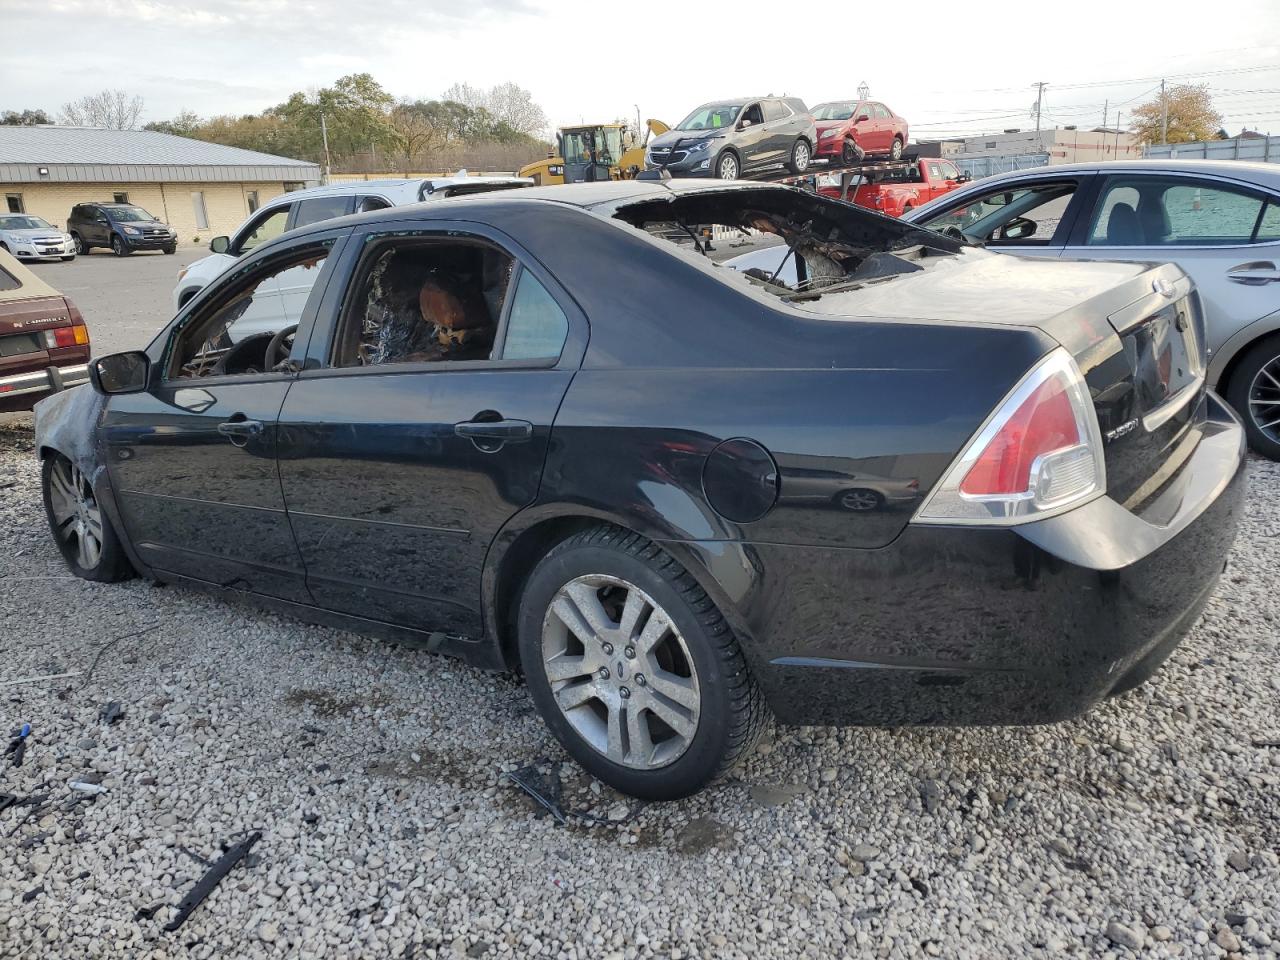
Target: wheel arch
x,y
528,537
1227,358
737,155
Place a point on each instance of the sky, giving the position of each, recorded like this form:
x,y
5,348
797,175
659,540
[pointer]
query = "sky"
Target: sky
x,y
968,71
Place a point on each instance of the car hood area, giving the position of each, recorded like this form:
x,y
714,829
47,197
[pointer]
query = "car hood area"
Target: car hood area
x,y
685,138
38,233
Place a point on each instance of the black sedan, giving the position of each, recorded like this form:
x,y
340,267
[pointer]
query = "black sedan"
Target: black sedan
x,y
547,430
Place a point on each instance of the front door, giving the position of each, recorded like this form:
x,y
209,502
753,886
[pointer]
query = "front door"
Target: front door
x,y
752,139
193,459
1032,219
426,429
1226,236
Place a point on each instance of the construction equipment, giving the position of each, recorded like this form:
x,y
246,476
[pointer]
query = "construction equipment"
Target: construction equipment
x,y
600,151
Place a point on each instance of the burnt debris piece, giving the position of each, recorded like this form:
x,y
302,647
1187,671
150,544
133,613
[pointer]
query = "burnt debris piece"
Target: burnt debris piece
x,y
206,884
111,712
18,745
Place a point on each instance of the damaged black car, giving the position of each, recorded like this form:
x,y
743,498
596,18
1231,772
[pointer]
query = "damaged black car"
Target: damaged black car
x,y
902,481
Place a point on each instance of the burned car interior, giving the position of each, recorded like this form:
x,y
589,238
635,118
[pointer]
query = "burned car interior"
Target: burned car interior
x,y
425,301
835,247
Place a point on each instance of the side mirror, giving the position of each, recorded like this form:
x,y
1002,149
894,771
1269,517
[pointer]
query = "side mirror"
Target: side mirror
x,y
120,372
863,118
744,124
220,244
1017,229
964,177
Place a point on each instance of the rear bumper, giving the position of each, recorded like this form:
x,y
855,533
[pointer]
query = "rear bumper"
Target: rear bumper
x,y
19,391
956,626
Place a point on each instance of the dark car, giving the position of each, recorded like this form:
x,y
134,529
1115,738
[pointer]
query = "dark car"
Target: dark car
x,y
44,344
729,138
124,227
530,430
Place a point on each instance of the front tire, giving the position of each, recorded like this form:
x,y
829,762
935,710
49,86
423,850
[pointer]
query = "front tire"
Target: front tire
x,y
633,668
119,247
851,153
170,250
1254,392
727,167
82,248
800,156
82,531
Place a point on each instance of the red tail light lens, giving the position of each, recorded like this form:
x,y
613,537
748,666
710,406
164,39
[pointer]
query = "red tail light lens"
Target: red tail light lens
x,y
76,336
1043,424
1038,454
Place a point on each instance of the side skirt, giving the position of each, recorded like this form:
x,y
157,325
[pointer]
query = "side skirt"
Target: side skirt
x,y
475,652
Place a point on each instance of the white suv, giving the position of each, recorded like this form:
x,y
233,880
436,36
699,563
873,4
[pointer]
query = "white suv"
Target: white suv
x,y
280,306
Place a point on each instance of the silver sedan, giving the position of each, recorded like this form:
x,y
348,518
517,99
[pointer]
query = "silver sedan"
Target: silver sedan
x,y
1218,220
32,238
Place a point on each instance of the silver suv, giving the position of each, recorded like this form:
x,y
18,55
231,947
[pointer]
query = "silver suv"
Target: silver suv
x,y
728,138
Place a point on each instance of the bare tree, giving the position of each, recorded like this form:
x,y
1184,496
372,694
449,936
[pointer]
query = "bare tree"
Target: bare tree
x,y
467,95
514,105
113,109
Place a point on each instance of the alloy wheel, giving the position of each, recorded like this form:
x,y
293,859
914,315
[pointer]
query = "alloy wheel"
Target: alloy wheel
x,y
727,167
80,245
860,500
620,671
77,517
896,150
1264,399
802,155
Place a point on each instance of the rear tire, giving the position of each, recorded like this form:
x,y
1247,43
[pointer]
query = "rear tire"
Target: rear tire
x,y
1254,392
597,700
119,247
801,154
80,528
895,151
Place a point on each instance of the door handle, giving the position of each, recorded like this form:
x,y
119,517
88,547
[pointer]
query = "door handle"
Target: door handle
x,y
239,431
506,431
1254,274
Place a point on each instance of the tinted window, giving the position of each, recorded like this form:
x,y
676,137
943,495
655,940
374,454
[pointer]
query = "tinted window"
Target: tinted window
x,y
1269,227
371,203
424,302
882,111
322,208
983,217
1152,211
753,113
268,228
8,281
536,326
774,110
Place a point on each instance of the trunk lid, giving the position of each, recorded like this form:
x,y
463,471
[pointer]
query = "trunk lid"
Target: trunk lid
x,y
1135,330
23,343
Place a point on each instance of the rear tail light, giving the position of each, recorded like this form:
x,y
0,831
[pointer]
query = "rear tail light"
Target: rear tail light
x,y
76,336
1039,454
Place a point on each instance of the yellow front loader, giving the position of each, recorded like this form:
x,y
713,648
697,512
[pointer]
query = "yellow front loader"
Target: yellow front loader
x,y
601,151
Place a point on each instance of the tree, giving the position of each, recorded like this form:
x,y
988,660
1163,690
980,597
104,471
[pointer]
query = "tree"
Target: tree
x,y
355,112
113,109
185,124
507,104
1191,115
415,131
24,118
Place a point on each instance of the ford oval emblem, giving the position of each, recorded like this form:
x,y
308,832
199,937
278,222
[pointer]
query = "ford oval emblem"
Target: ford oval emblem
x,y
1163,287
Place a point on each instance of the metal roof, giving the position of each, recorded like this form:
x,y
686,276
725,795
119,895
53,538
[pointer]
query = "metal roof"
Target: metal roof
x,y
94,154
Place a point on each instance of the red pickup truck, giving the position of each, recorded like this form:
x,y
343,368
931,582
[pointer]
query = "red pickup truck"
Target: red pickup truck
x,y
895,188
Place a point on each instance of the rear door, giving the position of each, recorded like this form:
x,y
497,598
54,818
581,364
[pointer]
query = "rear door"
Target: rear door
x,y
1225,234
99,227
422,422
781,128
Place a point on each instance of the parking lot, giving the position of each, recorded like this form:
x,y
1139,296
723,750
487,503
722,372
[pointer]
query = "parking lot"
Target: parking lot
x,y
376,775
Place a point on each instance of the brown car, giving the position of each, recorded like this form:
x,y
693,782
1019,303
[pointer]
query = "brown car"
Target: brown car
x,y
44,344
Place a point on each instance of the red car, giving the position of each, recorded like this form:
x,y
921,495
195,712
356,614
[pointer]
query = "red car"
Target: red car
x,y
44,345
848,130
898,189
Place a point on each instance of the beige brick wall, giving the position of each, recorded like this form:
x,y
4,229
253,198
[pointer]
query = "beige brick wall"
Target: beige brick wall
x,y
227,204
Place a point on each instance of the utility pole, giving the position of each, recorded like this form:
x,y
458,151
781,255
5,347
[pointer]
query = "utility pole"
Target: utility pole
x,y
1119,114
1106,115
324,135
1164,115
1040,85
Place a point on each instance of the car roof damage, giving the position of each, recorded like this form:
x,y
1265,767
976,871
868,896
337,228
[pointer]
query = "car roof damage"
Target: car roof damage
x,y
832,247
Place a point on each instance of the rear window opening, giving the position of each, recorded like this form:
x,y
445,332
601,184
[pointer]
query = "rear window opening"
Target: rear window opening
x,y
794,245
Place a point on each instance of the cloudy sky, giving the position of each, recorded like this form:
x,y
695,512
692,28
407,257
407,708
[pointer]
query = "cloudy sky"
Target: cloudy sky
x,y
968,71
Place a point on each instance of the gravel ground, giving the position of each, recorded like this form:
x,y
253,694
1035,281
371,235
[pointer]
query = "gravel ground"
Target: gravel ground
x,y
375,774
